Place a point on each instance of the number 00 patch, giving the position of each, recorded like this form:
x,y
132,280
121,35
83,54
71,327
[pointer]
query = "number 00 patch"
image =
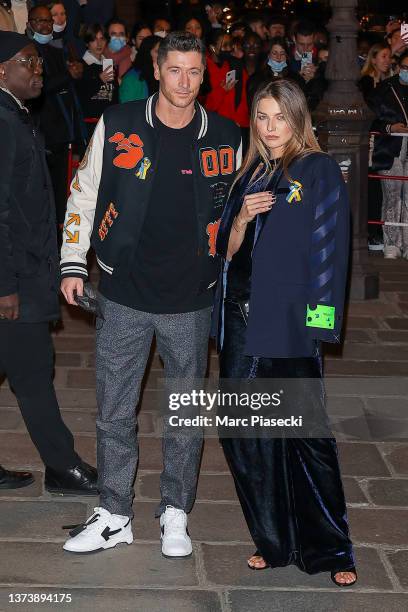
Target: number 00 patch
x,y
213,163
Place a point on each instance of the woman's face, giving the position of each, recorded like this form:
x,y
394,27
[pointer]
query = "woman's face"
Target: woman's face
x,y
141,35
224,44
58,14
97,46
252,48
382,61
154,52
194,27
272,128
277,53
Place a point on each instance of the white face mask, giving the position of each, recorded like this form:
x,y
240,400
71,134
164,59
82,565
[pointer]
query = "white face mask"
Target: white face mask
x,y
59,28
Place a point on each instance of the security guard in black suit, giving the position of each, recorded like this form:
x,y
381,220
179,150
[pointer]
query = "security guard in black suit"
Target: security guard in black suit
x,y
29,277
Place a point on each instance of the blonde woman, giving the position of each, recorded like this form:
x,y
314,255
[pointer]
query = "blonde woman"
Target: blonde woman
x,y
376,68
284,238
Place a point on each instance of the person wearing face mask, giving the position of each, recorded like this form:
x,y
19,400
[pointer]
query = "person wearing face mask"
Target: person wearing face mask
x,y
118,50
57,110
227,96
275,67
389,101
314,84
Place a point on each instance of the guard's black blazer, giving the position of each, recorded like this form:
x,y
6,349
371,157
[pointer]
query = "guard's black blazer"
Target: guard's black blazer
x,y
299,258
28,242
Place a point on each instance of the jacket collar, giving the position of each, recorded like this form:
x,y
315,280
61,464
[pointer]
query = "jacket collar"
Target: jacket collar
x,y
12,100
203,123
90,59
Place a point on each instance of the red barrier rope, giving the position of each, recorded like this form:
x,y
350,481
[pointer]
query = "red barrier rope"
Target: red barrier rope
x,y
388,177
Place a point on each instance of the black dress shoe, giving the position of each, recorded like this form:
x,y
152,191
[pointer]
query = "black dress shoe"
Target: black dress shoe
x,y
14,480
81,479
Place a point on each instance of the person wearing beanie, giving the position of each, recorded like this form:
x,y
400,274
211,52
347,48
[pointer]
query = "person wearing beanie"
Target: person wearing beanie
x,y
29,276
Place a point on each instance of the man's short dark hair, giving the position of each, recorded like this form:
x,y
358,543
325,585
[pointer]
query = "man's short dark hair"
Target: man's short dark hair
x,y
116,22
305,28
276,19
255,18
88,32
180,41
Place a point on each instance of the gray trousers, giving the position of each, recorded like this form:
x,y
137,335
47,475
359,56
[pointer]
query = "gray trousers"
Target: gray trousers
x,y
123,344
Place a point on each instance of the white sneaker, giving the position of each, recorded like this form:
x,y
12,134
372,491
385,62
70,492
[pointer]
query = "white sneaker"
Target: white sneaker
x,y
102,530
391,252
175,541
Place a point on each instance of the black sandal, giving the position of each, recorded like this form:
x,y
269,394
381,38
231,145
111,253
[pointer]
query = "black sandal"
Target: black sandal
x,y
352,570
258,569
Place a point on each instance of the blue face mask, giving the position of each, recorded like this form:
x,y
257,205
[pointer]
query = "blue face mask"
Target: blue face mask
x,y
403,75
43,39
277,66
117,43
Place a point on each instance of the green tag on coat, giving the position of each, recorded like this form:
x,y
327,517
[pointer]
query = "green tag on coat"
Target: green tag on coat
x,y
320,316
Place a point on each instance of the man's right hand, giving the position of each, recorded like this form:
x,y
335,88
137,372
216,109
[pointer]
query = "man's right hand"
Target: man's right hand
x,y
71,286
9,307
399,128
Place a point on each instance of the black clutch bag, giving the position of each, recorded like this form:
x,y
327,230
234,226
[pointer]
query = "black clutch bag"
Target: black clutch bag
x,y
89,301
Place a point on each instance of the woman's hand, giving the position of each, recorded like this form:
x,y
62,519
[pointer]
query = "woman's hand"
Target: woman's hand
x,y
398,127
254,204
106,75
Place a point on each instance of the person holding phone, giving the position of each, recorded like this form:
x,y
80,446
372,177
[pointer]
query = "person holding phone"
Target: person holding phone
x,y
139,82
227,80
284,238
98,87
389,101
303,63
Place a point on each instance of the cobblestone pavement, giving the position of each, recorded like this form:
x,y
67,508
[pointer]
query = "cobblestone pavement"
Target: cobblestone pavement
x,y
374,460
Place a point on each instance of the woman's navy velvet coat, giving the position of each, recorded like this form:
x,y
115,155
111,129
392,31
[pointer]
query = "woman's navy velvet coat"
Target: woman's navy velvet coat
x,y
299,258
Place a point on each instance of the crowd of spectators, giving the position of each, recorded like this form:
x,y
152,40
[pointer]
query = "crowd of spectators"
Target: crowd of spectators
x,y
93,59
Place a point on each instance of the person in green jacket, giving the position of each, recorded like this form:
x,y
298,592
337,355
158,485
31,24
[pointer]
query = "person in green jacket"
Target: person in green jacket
x,y
139,83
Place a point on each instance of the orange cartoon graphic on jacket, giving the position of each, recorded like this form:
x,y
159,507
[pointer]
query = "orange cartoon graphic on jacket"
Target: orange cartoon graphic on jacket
x,y
212,231
132,147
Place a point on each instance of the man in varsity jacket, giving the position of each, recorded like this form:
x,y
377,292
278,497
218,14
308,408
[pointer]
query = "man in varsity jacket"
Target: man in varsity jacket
x,y
148,197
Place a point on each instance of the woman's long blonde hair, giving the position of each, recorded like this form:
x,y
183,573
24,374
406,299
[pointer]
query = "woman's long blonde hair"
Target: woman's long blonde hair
x,y
293,106
369,68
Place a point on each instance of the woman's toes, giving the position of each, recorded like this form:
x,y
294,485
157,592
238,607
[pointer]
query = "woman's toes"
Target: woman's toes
x,y
257,562
345,577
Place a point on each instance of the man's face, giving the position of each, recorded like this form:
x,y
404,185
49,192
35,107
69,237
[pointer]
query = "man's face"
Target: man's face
x,y
162,25
260,28
58,14
41,20
180,77
21,78
117,29
276,29
98,45
304,44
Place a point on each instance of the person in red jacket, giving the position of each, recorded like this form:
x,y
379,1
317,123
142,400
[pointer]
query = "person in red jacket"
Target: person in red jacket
x,y
227,96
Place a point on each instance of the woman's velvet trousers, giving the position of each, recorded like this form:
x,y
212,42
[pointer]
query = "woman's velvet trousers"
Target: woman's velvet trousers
x,y
289,488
